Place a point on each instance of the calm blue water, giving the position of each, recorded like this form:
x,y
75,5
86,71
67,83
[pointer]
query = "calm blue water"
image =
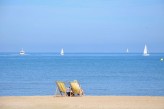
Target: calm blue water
x,y
99,74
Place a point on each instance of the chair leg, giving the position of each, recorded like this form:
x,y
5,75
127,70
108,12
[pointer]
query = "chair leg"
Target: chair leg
x,y
56,91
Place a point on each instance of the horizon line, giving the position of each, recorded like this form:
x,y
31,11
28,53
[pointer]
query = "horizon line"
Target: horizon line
x,y
81,52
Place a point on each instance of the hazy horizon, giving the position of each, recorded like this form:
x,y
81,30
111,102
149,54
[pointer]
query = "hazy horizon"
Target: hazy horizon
x,y
58,52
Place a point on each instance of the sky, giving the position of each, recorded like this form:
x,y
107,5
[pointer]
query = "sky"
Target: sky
x,y
106,26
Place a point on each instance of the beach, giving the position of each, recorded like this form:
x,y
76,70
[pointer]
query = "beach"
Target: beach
x,y
85,102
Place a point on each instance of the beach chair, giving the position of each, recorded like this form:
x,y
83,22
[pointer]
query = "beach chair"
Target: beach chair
x,y
61,88
76,88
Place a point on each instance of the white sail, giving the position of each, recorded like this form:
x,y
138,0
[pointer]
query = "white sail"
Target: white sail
x,y
145,52
22,52
127,50
62,52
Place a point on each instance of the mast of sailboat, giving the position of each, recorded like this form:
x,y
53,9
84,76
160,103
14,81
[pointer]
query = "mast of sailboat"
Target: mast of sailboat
x,y
22,50
145,49
62,52
145,52
127,50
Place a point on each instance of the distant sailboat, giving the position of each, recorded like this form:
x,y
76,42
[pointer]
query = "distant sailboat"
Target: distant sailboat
x,y
62,52
145,52
22,52
127,50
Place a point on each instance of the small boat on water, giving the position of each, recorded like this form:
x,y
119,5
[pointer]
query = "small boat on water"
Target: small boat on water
x,y
145,52
22,52
62,52
127,50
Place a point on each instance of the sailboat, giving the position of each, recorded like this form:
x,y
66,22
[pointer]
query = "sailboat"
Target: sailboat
x,y
127,50
22,52
62,52
145,52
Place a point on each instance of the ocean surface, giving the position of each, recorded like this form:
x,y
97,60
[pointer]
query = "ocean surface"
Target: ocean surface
x,y
98,73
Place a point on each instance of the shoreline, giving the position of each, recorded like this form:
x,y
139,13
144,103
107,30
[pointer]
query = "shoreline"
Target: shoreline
x,y
83,96
85,102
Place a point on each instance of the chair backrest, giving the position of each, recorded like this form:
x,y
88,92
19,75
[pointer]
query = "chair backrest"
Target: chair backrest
x,y
61,86
75,87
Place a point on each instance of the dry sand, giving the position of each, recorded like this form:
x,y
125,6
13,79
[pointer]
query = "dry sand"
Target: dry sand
x,y
86,102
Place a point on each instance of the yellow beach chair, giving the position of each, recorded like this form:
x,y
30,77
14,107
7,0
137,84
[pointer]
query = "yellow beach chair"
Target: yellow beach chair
x,y
61,88
76,88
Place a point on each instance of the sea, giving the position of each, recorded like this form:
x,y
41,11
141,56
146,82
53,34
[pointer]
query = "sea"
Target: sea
x,y
99,74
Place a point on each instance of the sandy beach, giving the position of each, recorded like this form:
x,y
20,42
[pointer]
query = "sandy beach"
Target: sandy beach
x,y
86,102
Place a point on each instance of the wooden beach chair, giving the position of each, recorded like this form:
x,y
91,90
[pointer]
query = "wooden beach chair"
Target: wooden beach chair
x,y
76,88
61,88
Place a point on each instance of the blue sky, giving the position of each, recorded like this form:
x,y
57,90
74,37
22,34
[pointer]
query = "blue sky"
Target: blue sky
x,y
81,25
